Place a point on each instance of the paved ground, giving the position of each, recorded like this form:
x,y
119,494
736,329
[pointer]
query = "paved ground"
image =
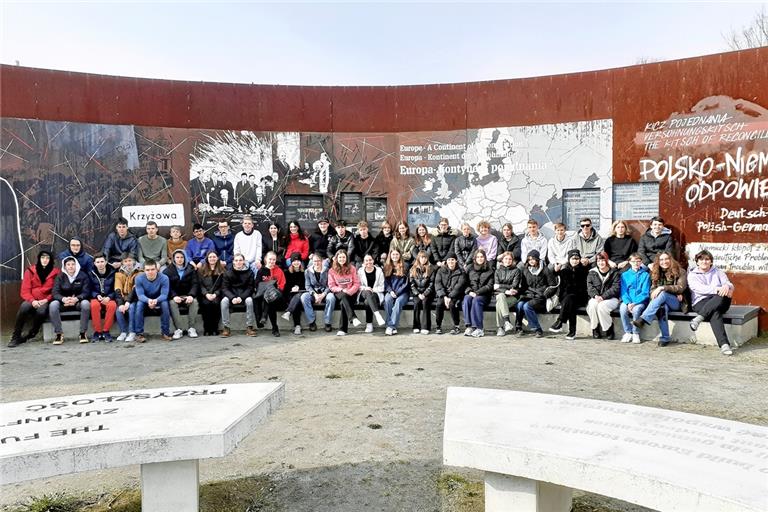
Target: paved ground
x,y
319,446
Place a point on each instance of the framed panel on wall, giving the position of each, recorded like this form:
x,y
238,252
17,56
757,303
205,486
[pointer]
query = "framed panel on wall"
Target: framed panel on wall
x,y
305,209
579,203
422,213
352,207
635,201
375,213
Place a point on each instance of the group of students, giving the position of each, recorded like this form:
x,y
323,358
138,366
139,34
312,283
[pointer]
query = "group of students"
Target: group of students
x,y
291,273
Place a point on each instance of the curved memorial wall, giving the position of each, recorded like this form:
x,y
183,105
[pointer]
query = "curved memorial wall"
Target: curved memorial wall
x,y
687,140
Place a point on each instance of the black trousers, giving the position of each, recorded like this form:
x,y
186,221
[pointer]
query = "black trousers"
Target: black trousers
x,y
270,308
347,313
422,312
712,309
372,304
25,312
295,307
440,311
211,311
568,304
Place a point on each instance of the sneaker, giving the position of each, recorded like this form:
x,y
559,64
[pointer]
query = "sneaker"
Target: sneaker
x,y
177,334
59,339
639,323
226,333
379,318
508,327
610,334
286,315
328,328
636,338
297,330
627,338
597,333
388,331
368,327
276,333
313,326
570,336
455,331
260,324
95,337
478,333
438,331
556,327
500,332
468,331
539,333
355,322
695,322
394,331
726,350
341,333
192,332
140,338
15,342
249,331
122,336
84,338
107,337
416,331
168,337
424,331
130,338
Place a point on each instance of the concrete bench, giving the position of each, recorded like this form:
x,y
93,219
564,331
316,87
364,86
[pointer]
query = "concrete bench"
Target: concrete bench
x,y
536,448
164,430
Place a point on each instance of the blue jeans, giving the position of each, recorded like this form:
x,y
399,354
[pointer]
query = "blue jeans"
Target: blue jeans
x,y
393,307
165,317
127,320
627,317
663,303
527,308
307,300
473,310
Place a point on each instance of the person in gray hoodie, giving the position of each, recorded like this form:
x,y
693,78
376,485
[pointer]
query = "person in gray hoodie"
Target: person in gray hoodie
x,y
657,239
588,242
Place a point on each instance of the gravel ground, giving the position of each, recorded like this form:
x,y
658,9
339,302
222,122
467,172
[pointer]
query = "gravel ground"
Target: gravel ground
x,y
320,449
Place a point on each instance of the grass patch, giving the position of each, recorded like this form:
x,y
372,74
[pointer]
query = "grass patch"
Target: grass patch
x,y
51,503
459,494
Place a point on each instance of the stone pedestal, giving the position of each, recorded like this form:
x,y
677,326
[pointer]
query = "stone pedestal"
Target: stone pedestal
x,y
505,493
170,486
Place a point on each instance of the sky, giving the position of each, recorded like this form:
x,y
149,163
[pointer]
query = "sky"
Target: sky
x,y
358,43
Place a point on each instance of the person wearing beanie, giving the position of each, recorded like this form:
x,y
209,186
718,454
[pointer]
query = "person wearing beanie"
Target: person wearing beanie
x,y
540,284
37,294
76,251
572,293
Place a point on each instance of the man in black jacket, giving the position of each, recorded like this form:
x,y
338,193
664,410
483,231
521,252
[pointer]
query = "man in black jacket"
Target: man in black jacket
x,y
657,239
184,287
342,240
364,244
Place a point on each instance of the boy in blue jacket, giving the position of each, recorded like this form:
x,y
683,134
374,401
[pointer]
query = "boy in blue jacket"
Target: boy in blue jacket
x,y
635,294
152,289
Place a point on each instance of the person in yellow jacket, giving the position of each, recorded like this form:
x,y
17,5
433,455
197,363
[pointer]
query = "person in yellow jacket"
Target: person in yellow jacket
x,y
126,299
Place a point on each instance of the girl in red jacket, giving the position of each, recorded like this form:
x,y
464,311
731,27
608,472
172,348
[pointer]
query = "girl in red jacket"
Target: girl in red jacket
x,y
296,241
36,290
344,284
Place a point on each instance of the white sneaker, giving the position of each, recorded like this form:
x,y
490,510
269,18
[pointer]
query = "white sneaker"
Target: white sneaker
x,y
192,332
424,331
177,334
500,331
478,333
355,322
297,330
131,337
468,331
388,331
416,331
508,327
627,338
379,318
368,327
340,333
286,315
122,336
394,331
636,338
726,350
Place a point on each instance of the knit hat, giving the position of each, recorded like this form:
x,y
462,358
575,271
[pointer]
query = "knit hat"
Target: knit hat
x,y
574,252
295,256
533,254
451,255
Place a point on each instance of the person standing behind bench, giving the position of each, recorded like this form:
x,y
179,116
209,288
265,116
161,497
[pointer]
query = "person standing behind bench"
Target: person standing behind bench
x,y
238,288
343,239
183,289
198,247
296,241
102,278
211,279
125,281
509,241
658,238
711,293
153,246
318,241
464,246
118,242
635,293
620,245
71,291
316,284
442,243
534,240
152,289
604,291
364,244
248,245
36,291
450,283
403,243
76,251
224,243
507,285
588,242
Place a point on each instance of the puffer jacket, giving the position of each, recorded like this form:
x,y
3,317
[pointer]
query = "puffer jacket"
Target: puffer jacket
x,y
450,283
539,286
508,278
650,245
480,280
465,246
125,279
31,287
102,284
185,285
421,246
80,287
441,245
238,283
347,242
421,282
512,245
607,286
573,281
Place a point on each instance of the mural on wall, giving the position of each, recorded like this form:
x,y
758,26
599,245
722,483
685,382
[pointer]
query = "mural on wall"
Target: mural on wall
x,y
712,165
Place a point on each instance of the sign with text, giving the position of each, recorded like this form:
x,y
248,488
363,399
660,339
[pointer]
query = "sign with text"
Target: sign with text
x,y
748,258
162,214
579,204
635,200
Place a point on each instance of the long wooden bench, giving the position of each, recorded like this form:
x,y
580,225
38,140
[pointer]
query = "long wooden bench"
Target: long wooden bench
x,y
535,448
165,430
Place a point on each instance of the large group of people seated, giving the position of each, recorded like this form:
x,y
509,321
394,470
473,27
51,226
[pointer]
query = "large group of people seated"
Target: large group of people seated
x,y
292,273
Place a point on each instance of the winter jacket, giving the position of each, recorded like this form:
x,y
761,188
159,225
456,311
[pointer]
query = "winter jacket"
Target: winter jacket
x,y
296,244
315,285
465,246
238,283
650,245
348,283
249,245
224,246
450,283
529,244
83,258
383,243
274,274
573,281
31,287
405,246
378,284
480,280
422,282
276,245
365,246
184,285
197,250
102,284
557,251
541,285
347,242
607,286
441,245
80,287
508,278
318,243
512,245
125,281
114,247
210,284
490,245
397,284
705,284
635,286
421,246
589,247
157,289
619,249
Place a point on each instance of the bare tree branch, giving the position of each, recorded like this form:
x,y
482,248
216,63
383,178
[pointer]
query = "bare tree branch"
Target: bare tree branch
x,y
753,35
